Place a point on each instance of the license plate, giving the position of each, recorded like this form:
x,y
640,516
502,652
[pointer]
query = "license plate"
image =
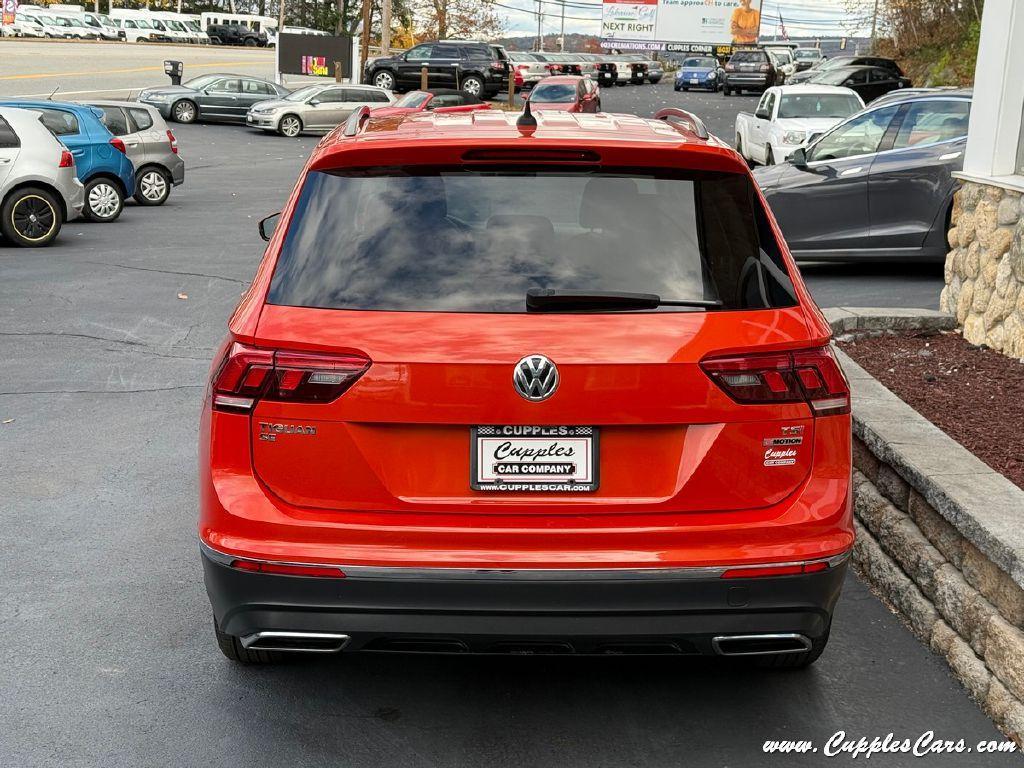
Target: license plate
x,y
533,458
694,81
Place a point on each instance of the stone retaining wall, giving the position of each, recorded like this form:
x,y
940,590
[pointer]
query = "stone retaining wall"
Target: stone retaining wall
x,y
953,597
985,267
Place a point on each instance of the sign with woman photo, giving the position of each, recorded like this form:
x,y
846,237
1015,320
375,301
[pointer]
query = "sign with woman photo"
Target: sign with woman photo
x,y
713,22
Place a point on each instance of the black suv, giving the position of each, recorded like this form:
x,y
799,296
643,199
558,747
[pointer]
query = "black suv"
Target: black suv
x,y
753,70
235,34
479,68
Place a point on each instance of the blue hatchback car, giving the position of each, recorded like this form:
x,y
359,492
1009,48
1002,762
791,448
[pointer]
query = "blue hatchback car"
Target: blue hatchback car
x,y
702,72
100,158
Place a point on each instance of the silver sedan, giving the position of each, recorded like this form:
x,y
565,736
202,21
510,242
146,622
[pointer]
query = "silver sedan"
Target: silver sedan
x,y
316,108
38,187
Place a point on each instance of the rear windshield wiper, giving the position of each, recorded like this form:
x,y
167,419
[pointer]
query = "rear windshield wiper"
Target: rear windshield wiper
x,y
549,300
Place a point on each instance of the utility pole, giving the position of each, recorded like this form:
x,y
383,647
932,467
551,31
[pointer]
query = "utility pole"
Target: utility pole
x,y
561,40
874,27
280,15
540,31
365,46
385,27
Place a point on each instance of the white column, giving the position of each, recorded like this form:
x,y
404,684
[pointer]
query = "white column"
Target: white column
x,y
998,103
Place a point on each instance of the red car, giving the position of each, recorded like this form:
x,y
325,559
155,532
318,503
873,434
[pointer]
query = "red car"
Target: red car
x,y
517,384
438,100
565,93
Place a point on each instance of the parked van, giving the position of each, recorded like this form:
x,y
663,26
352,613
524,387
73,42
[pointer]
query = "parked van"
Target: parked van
x,y
183,24
138,26
255,23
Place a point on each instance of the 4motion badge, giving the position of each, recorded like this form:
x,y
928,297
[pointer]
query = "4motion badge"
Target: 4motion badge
x,y
782,451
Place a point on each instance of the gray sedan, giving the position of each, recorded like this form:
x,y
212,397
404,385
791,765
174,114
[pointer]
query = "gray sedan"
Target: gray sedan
x,y
877,186
315,108
219,97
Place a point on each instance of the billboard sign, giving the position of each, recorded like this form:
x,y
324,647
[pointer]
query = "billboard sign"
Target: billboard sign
x,y
10,8
314,54
707,22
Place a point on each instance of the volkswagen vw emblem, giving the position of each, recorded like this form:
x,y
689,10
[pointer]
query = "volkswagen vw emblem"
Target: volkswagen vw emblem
x,y
535,378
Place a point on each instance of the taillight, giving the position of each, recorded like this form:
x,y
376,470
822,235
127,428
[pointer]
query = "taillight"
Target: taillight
x,y
249,374
730,67
808,375
765,67
498,67
67,160
174,141
117,144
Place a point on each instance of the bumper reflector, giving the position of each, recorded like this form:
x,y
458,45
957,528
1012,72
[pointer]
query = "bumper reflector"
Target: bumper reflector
x,y
288,570
775,570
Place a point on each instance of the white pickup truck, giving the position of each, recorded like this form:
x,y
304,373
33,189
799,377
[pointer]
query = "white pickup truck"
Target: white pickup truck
x,y
788,116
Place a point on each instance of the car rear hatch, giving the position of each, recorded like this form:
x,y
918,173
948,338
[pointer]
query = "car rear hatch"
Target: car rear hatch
x,y
402,360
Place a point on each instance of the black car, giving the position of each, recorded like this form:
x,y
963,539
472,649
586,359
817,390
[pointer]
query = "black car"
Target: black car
x,y
877,186
836,62
479,68
235,34
752,70
868,82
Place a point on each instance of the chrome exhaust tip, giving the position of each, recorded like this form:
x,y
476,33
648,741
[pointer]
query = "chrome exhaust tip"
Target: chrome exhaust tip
x,y
303,642
760,645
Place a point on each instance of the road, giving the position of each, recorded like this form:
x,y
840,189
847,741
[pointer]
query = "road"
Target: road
x,y
107,653
86,69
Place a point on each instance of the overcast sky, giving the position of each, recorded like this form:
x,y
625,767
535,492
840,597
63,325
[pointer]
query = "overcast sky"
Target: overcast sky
x,y
825,18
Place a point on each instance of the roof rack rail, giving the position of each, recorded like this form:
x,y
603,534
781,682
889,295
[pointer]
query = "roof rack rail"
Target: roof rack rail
x,y
356,120
675,116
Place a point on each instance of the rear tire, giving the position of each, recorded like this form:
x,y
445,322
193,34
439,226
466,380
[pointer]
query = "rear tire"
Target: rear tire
x,y
152,186
16,217
104,200
474,86
250,42
233,649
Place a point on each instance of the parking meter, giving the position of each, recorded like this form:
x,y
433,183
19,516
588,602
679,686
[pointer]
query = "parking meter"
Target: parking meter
x,y
173,70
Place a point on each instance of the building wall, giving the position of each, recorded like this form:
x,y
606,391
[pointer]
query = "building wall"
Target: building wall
x,y
985,266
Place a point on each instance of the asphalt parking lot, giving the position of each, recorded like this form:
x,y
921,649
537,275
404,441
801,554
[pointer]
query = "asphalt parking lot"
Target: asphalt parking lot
x,y
108,655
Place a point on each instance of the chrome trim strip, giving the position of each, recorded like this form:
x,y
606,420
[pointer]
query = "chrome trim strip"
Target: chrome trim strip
x,y
715,643
249,640
393,573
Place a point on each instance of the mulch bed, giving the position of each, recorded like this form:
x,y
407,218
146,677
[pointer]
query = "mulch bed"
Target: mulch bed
x,y
973,394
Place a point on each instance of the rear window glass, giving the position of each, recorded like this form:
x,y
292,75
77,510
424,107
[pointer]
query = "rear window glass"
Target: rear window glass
x,y
456,240
749,57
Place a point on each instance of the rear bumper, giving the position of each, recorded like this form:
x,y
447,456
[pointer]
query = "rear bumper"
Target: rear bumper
x,y
747,80
578,611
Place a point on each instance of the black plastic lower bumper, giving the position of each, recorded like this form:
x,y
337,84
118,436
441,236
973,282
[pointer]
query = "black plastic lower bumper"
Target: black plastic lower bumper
x,y
508,615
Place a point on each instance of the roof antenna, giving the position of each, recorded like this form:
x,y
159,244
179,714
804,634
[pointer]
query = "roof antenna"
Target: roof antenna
x,y
527,120
50,97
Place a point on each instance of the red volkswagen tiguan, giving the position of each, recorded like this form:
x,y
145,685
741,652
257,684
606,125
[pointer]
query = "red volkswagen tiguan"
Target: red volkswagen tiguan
x,y
517,386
